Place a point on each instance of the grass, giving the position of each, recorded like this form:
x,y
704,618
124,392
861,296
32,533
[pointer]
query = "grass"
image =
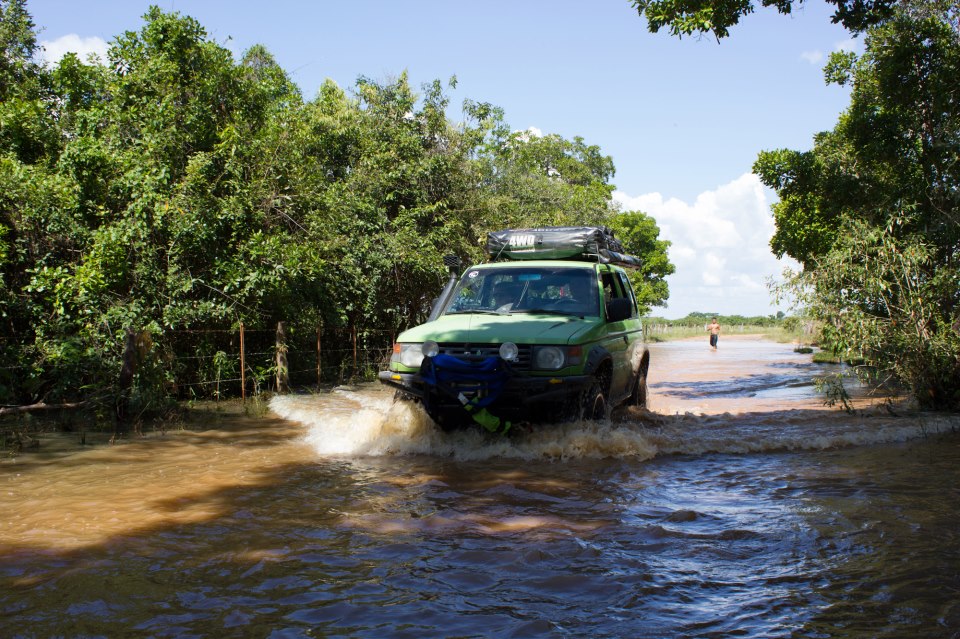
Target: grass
x,y
664,333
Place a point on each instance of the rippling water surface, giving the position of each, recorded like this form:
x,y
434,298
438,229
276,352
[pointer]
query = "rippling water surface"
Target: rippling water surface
x,y
738,506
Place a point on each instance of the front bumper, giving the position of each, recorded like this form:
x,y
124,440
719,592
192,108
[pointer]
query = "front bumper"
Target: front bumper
x,y
523,397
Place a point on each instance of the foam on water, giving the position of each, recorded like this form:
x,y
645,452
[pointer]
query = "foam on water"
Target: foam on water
x,y
366,421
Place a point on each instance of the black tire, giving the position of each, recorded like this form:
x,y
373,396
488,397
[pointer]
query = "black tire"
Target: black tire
x,y
638,397
593,406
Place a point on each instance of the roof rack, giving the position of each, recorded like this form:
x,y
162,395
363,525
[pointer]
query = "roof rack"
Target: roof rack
x,y
582,243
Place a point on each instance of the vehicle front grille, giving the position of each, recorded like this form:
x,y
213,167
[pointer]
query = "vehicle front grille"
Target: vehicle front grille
x,y
479,352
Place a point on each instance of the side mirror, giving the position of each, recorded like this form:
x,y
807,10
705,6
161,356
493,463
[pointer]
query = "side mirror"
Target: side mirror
x,y
618,309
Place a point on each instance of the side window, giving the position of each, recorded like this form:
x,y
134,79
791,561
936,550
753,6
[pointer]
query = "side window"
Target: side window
x,y
611,288
628,288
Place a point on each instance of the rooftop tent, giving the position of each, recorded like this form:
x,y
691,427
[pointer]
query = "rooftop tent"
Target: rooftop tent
x,y
586,243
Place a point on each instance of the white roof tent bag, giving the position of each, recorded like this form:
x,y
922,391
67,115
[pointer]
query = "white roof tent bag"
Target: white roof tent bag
x,y
584,243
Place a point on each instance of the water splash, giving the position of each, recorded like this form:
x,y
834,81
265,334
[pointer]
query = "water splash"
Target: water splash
x,y
348,422
366,421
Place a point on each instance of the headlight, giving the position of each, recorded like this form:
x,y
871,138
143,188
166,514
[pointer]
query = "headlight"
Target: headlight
x,y
551,358
509,351
548,358
431,348
409,355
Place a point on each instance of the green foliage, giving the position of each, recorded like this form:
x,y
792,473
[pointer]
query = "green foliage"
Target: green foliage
x,y
686,17
882,301
831,386
178,191
805,216
20,75
872,211
700,319
545,180
640,235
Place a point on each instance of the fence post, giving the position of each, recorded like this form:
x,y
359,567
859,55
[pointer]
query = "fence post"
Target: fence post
x,y
283,370
243,368
319,357
127,371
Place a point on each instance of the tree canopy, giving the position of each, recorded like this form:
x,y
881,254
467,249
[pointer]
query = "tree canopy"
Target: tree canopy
x,y
872,211
177,190
686,17
640,235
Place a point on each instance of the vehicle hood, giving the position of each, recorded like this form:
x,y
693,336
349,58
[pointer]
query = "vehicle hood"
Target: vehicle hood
x,y
496,329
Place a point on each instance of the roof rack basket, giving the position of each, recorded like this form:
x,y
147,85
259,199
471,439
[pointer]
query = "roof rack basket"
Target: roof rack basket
x,y
583,243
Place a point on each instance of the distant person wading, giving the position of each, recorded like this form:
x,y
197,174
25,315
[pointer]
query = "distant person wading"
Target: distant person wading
x,y
714,329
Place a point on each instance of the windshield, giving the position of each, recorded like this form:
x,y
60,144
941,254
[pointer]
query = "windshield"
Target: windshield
x,y
527,289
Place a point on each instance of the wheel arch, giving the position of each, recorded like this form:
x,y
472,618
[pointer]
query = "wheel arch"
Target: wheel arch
x,y
600,365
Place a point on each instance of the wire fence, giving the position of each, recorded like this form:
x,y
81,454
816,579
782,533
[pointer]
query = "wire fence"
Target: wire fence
x,y
220,364
243,362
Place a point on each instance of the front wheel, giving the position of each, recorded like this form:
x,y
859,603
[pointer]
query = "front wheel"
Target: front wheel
x,y
594,404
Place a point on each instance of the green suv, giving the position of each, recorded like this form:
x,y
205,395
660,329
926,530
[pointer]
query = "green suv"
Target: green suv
x,y
547,330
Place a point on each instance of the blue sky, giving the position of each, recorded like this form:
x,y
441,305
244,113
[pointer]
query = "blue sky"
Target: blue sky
x,y
683,119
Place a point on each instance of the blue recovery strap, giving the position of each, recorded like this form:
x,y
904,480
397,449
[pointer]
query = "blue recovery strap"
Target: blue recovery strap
x,y
455,376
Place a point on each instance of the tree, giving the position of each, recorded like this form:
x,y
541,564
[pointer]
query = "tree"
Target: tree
x,y
640,236
176,192
685,17
26,128
883,300
545,180
18,48
873,211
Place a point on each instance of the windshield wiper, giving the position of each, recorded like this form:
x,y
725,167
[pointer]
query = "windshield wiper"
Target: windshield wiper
x,y
550,311
477,311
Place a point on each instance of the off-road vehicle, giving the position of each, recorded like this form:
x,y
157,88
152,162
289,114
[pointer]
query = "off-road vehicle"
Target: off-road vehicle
x,y
547,330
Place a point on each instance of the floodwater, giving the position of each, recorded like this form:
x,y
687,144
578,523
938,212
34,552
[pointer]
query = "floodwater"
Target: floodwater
x,y
739,506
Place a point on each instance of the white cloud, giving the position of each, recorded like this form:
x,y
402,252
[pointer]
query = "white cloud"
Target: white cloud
x,y
817,57
711,269
720,246
54,50
848,45
530,132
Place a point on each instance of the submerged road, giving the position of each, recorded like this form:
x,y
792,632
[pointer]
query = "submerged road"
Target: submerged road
x,y
738,506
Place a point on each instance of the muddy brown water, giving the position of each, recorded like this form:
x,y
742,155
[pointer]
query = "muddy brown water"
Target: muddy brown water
x,y
739,506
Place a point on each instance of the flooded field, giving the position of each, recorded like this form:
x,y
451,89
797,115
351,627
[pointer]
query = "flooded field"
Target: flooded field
x,y
737,506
